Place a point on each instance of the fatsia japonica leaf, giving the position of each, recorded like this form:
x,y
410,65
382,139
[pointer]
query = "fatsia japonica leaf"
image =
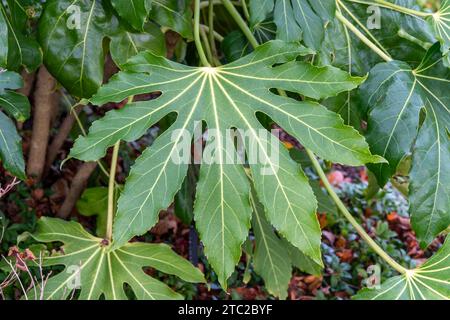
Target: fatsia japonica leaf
x,y
94,202
402,36
11,147
440,24
235,45
126,44
265,31
174,14
17,106
3,40
135,12
396,95
273,257
431,281
270,257
260,10
17,49
100,271
18,9
296,20
72,36
226,97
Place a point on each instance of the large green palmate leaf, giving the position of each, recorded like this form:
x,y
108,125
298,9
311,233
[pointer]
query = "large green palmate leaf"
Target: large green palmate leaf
x,y
225,97
174,14
396,95
431,281
17,106
17,49
440,23
343,49
93,268
404,37
72,33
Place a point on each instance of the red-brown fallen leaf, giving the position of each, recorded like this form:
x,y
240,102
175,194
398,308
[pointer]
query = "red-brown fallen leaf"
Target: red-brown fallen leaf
x,y
323,221
326,290
307,298
59,189
392,216
368,212
315,284
37,194
310,279
21,257
404,222
363,175
292,295
28,255
341,242
165,225
341,294
249,293
346,255
13,251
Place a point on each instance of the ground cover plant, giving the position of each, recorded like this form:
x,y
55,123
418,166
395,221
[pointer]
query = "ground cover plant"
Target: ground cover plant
x,y
253,149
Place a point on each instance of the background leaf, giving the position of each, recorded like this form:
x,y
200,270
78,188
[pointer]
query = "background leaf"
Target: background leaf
x,y
11,147
72,35
395,94
174,14
18,49
17,106
134,12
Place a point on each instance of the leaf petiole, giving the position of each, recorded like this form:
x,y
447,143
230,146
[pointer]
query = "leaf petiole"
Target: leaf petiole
x,y
212,42
350,218
111,189
198,42
392,6
362,37
240,22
